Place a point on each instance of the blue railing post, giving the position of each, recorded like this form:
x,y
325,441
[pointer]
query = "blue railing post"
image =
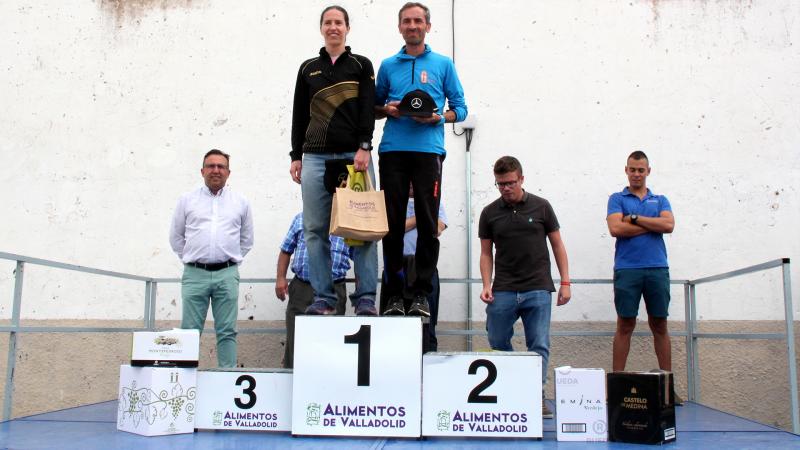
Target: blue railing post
x,y
148,292
694,394
468,214
12,341
791,356
153,301
687,306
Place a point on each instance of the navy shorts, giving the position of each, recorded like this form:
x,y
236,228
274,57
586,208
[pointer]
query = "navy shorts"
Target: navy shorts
x,y
631,284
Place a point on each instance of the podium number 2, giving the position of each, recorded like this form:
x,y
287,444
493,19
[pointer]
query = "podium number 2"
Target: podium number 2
x,y
475,395
362,338
249,391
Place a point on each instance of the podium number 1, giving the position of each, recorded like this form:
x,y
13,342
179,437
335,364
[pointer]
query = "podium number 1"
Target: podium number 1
x,y
362,338
475,395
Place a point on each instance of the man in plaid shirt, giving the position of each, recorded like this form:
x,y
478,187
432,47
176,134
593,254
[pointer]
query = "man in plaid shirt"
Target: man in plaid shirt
x,y
299,289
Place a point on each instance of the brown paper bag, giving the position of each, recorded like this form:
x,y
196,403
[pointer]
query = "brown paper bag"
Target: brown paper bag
x,y
359,215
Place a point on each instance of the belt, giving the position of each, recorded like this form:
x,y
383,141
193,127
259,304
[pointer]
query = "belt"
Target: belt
x,y
212,267
339,281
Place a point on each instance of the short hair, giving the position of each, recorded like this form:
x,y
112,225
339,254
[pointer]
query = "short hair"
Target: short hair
x,y
214,151
337,8
414,5
507,164
639,155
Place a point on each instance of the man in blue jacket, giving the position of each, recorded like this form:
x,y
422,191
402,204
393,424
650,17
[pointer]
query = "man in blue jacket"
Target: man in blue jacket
x,y
412,150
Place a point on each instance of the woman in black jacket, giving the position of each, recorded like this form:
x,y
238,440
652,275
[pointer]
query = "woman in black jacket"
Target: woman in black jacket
x,y
333,119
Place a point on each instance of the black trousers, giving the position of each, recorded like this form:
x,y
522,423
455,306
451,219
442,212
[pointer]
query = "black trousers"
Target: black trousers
x,y
423,171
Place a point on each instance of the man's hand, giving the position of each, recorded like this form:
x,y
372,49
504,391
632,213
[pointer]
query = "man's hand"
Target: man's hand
x,y
433,119
486,295
361,160
564,294
390,109
295,169
281,288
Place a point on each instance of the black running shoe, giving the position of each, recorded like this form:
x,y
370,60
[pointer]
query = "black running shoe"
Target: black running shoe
x,y
419,307
394,307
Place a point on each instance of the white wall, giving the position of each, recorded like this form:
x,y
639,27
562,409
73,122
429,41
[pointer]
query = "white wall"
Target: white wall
x,y
108,108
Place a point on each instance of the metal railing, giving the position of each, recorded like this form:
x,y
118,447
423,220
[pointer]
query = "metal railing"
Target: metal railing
x,y
691,334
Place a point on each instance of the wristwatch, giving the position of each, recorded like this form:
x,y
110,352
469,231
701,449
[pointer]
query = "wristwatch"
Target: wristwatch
x,y
634,218
365,146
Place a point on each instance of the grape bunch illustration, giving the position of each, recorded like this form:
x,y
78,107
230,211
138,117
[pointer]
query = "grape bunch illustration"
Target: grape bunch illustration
x,y
176,404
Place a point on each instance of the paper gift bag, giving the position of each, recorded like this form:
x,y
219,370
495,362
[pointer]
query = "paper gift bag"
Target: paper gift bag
x,y
359,214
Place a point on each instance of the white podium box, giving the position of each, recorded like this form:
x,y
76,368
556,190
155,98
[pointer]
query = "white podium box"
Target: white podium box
x,y
176,347
581,413
244,399
357,376
491,394
154,401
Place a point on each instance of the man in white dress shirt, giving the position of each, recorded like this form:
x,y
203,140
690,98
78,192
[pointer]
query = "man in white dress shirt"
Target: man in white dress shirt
x,y
212,230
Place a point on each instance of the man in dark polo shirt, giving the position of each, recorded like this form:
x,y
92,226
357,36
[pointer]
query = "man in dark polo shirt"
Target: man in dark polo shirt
x,y
639,219
519,224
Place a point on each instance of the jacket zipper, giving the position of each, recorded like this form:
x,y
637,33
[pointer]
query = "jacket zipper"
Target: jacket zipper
x,y
413,64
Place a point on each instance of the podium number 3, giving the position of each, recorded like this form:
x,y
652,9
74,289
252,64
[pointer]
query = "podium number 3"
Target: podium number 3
x,y
362,338
249,391
475,395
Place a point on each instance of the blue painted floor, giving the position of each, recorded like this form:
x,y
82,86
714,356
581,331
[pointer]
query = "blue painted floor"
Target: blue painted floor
x,y
94,427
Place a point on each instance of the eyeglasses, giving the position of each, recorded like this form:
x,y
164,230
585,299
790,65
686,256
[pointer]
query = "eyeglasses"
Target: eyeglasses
x,y
506,184
215,166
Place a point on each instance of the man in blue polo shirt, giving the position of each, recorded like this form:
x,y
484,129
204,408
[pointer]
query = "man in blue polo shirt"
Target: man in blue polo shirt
x,y
638,219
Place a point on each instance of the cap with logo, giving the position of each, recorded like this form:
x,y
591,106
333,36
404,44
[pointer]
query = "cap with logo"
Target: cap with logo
x,y
417,103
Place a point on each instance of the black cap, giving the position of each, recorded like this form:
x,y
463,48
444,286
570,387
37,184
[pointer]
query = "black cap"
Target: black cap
x,y
417,103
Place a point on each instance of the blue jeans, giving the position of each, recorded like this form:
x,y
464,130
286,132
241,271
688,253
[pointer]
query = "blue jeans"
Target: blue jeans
x,y
316,223
534,309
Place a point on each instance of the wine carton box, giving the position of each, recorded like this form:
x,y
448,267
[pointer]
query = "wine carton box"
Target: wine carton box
x,y
155,401
641,407
581,413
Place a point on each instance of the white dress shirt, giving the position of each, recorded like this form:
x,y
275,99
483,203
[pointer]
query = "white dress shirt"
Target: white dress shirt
x,y
208,228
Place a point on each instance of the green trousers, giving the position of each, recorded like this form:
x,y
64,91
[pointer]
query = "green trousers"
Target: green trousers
x,y
221,289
